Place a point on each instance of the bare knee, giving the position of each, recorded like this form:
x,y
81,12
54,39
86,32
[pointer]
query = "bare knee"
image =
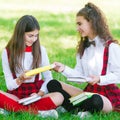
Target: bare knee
x,y
56,97
107,106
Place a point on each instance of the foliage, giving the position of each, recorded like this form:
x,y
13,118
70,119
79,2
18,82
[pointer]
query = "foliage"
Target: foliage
x,y
57,34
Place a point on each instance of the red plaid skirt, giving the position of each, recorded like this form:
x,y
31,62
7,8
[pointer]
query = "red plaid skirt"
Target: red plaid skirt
x,y
112,92
25,89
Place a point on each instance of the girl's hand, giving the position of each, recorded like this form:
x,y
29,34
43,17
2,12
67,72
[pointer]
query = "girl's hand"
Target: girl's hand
x,y
22,78
41,93
59,67
95,79
33,94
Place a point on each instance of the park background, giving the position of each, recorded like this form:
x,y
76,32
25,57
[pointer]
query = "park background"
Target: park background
x,y
58,34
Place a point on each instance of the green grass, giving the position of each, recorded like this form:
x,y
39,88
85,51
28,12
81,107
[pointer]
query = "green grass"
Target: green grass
x,y
57,34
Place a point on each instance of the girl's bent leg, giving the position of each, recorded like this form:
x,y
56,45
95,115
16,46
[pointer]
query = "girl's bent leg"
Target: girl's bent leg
x,y
55,86
96,103
92,104
56,97
12,105
71,89
15,98
107,106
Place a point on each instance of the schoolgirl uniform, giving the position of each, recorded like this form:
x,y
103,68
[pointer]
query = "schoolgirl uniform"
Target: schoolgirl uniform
x,y
100,61
28,87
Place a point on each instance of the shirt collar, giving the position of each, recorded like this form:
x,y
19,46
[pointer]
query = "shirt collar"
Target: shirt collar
x,y
98,41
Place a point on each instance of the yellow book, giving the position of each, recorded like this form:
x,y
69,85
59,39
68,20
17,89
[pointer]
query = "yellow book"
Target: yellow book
x,y
39,70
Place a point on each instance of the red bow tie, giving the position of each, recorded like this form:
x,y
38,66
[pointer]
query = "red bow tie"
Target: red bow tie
x,y
28,49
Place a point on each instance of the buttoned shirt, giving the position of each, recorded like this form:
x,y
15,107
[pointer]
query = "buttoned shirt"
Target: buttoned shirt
x,y
11,82
91,63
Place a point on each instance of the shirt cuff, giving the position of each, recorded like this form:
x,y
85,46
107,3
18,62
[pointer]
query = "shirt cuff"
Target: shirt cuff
x,y
102,80
14,85
66,71
44,90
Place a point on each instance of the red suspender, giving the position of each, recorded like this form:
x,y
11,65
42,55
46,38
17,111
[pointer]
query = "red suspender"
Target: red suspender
x,y
105,57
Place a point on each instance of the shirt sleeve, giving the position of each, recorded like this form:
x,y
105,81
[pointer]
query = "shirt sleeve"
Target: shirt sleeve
x,y
113,68
47,75
10,81
76,71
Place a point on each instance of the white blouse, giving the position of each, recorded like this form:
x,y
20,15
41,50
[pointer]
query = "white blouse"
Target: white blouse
x,y
92,63
11,82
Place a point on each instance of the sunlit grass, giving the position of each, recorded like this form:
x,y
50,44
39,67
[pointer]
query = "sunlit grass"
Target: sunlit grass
x,y
57,34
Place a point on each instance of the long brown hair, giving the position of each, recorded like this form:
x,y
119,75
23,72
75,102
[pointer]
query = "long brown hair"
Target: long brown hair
x,y
98,23
16,45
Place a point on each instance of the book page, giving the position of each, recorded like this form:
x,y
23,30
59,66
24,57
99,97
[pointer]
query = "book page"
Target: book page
x,y
79,96
78,101
32,100
79,79
27,99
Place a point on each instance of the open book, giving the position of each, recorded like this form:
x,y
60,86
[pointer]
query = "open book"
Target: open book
x,y
75,100
39,70
79,79
29,100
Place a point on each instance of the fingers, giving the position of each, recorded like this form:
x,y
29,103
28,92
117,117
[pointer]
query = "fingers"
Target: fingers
x,y
95,79
41,93
59,67
23,77
33,94
92,82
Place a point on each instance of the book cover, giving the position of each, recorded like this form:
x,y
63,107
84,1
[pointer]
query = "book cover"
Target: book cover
x,y
80,97
32,100
72,79
39,70
29,100
78,101
88,94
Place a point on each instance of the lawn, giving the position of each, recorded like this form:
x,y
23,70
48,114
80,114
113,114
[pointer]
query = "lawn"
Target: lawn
x,y
57,34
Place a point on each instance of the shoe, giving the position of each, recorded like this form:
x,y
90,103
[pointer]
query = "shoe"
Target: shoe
x,y
48,113
84,114
61,109
4,112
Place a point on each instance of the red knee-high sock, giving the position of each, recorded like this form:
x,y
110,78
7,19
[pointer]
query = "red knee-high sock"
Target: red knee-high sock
x,y
11,105
44,104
